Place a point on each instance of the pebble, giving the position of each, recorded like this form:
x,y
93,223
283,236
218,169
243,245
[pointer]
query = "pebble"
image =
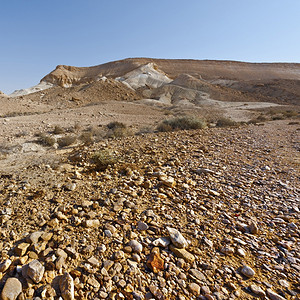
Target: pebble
x,y
197,274
162,242
142,226
274,296
136,246
12,289
284,283
118,255
155,262
34,237
247,271
21,249
92,223
227,250
257,290
194,288
253,228
70,186
5,265
241,252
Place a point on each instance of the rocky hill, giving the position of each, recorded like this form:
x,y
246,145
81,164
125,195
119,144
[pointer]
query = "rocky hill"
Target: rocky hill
x,y
209,70
218,80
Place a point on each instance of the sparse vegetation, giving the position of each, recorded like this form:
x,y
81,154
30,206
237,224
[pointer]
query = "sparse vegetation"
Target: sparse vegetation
x,y
144,130
102,159
226,122
181,123
58,130
87,138
117,130
20,113
116,124
66,140
46,139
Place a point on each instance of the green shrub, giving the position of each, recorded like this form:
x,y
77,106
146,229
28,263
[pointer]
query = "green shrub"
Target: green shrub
x,y
102,159
181,123
225,122
46,140
66,140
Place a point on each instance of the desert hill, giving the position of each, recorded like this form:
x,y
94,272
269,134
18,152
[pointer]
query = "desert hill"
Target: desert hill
x,y
207,69
167,79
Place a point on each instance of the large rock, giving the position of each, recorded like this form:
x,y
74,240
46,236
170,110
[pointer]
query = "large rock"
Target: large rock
x,y
182,253
35,271
66,286
12,289
177,238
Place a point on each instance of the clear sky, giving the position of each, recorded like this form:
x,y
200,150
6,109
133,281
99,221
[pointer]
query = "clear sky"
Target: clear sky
x,y
37,35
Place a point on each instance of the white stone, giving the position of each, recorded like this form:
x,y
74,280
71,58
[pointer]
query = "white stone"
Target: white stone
x,y
177,238
136,246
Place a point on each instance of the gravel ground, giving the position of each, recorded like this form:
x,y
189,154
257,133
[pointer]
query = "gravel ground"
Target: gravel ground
x,y
206,214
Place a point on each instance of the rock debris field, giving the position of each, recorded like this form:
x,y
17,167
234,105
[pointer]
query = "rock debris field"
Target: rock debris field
x,y
203,214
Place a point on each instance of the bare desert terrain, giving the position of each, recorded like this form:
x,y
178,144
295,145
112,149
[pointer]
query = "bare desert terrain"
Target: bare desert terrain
x,y
152,179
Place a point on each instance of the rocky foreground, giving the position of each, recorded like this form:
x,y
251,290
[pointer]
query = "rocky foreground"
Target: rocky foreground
x,y
207,214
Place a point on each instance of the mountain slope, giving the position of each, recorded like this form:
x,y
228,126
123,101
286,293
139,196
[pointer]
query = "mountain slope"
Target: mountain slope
x,y
221,80
207,69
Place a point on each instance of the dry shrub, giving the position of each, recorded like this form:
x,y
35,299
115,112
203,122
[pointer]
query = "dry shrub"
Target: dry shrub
x,y
145,130
46,140
117,130
181,123
87,138
58,130
66,140
116,124
102,159
225,122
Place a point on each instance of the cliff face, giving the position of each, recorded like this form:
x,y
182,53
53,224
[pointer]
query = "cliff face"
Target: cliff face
x,y
66,76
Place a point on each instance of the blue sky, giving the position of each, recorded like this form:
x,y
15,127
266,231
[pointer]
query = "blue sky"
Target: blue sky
x,y
38,35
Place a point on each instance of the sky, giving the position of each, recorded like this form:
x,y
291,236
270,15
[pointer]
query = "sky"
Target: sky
x,y
36,36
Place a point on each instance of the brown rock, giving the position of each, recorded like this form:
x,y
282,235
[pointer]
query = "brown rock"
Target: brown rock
x,y
155,262
21,249
66,286
182,253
